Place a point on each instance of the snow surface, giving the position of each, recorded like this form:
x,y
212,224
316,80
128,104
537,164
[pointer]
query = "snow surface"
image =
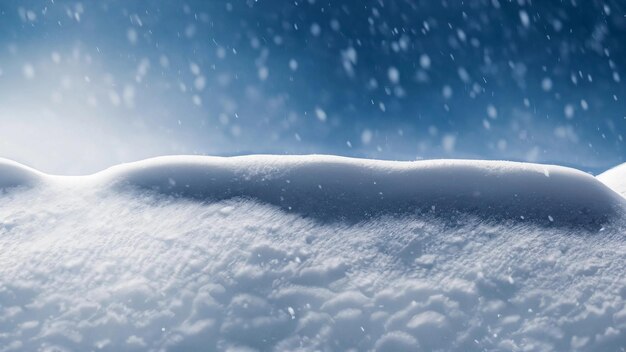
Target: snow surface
x,y
615,178
329,187
194,253
13,174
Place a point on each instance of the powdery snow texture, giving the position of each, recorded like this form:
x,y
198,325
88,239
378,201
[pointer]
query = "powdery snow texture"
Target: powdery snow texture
x,y
193,253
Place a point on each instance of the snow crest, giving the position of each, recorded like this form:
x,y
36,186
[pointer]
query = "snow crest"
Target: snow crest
x,y
329,188
13,174
615,178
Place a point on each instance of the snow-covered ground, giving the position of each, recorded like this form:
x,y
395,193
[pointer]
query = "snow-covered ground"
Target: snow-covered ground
x,y
615,178
312,253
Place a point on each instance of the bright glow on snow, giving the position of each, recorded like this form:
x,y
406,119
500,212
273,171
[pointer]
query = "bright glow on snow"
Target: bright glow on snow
x,y
615,178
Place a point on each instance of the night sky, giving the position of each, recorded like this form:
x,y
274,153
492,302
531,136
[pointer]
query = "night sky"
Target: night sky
x,y
86,85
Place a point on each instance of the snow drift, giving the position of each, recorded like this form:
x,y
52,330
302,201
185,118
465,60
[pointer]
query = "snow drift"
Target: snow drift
x,y
13,174
196,254
615,178
328,187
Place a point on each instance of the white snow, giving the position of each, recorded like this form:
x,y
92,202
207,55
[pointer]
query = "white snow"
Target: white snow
x,y
615,178
260,253
13,174
394,75
524,18
356,188
425,61
321,114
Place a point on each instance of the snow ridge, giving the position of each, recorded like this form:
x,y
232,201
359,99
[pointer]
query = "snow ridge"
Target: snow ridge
x,y
615,178
13,174
330,187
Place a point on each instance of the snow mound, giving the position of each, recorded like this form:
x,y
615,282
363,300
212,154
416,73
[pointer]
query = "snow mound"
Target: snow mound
x,y
98,270
198,254
328,187
615,178
13,174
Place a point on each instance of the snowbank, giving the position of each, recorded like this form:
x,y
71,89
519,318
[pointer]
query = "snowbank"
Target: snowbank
x,y
615,178
329,187
100,263
13,174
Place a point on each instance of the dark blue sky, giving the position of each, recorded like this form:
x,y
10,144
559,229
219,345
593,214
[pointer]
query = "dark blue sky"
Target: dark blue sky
x,y
85,85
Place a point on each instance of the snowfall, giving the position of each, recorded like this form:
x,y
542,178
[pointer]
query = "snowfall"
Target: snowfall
x,y
303,253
